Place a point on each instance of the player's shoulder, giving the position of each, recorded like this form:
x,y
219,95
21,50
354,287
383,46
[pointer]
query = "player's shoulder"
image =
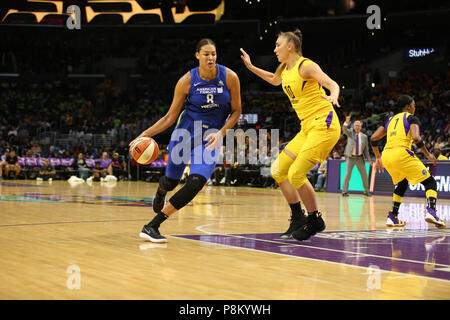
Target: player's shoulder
x,y
412,119
185,79
231,73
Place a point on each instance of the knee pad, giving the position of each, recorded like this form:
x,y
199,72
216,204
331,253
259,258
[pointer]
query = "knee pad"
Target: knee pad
x,y
401,187
167,184
194,183
280,167
430,184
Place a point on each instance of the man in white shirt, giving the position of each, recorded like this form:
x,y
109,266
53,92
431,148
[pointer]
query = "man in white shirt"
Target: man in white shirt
x,y
356,149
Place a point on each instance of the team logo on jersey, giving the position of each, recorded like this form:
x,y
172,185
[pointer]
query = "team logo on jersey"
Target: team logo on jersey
x,y
424,172
220,83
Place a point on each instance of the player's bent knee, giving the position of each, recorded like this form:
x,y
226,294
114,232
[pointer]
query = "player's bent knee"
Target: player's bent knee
x,y
194,184
280,167
430,183
167,184
401,188
277,174
297,179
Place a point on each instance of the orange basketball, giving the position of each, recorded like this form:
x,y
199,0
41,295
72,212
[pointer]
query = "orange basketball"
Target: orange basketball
x,y
144,150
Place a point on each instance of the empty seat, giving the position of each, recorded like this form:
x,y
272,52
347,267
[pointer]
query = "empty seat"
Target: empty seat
x,y
200,18
107,19
90,163
54,19
67,162
20,18
144,19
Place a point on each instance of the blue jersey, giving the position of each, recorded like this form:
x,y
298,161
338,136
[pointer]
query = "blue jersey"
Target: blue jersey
x,y
206,107
208,101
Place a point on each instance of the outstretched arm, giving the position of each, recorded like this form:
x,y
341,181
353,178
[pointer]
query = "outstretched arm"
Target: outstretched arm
x,y
272,78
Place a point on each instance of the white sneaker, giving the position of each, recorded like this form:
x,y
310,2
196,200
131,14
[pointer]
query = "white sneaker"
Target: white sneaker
x,y
89,179
39,179
50,179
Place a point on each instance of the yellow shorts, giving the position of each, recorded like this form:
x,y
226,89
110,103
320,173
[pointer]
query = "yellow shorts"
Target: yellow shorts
x,y
311,145
317,137
401,163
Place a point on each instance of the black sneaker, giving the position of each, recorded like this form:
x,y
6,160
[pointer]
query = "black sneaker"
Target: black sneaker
x,y
158,202
313,225
152,234
294,225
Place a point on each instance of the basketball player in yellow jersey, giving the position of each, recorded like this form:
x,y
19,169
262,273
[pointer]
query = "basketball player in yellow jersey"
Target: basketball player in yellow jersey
x,y
401,163
303,82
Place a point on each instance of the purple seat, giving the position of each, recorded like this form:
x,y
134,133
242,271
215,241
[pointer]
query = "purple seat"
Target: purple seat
x,y
67,162
41,161
3,158
55,162
90,163
21,161
159,163
31,162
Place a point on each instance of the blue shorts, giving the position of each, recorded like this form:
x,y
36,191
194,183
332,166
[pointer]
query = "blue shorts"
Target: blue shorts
x,y
187,146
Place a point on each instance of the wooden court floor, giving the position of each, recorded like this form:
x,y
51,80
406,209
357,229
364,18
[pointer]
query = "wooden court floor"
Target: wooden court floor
x,y
66,241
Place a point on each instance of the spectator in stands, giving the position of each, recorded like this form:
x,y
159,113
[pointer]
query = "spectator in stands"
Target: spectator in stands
x,y
105,162
99,173
219,172
46,172
438,155
3,162
52,153
336,155
83,170
12,165
36,149
118,167
321,177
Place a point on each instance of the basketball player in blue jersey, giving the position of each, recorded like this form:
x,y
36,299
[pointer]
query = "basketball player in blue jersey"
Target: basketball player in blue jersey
x,y
210,94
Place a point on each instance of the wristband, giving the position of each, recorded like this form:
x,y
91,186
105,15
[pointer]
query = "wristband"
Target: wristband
x,y
374,143
420,144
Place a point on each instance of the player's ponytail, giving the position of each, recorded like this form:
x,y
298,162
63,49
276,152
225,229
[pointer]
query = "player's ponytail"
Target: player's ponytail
x,y
296,37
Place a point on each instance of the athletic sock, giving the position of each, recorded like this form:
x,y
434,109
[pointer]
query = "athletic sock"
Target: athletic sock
x,y
296,209
157,220
431,198
397,202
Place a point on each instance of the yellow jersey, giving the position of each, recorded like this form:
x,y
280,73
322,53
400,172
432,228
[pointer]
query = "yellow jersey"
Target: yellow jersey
x,y
398,130
304,94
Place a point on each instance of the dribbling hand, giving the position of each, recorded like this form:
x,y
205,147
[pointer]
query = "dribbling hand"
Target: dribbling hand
x,y
214,140
134,140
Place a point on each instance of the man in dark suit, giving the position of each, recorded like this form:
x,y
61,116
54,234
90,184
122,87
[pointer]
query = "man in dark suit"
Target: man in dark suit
x,y
356,149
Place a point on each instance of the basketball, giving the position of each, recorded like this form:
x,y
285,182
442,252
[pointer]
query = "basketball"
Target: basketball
x,y
144,150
